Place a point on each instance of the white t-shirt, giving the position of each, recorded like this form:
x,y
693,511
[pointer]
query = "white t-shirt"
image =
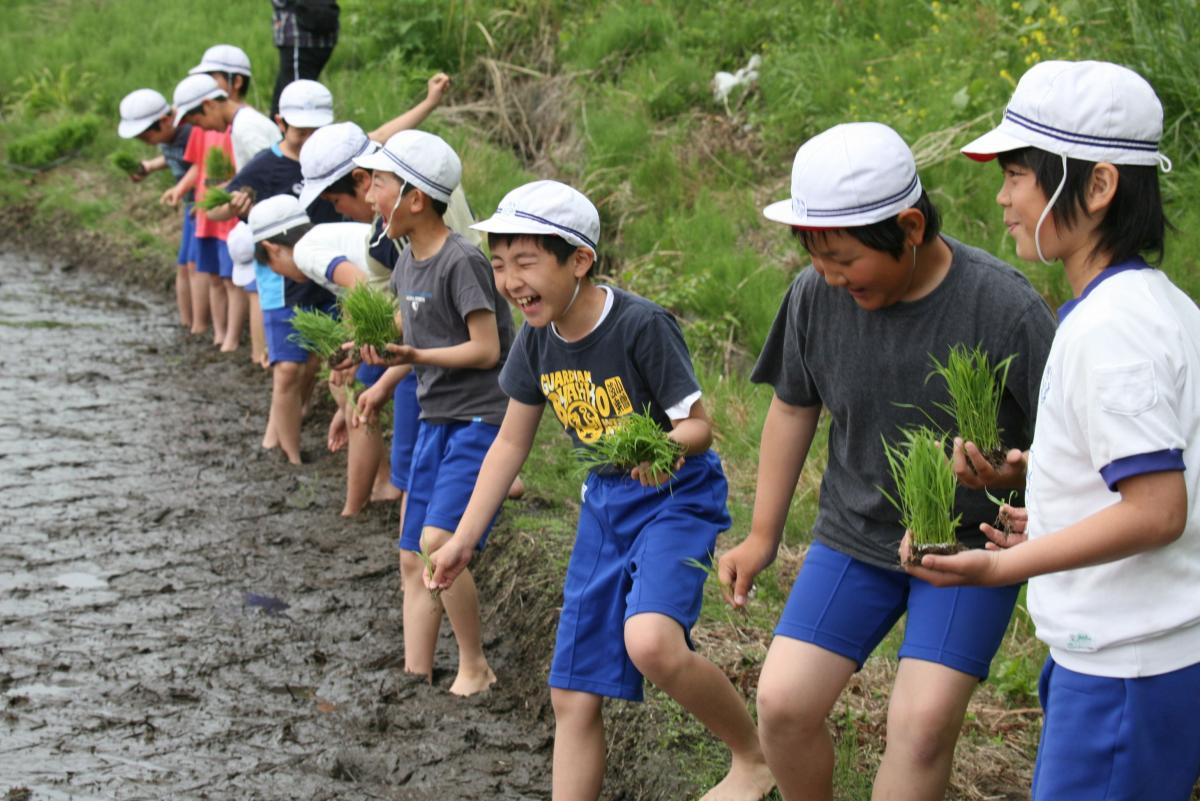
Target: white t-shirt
x,y
1120,396
325,246
251,132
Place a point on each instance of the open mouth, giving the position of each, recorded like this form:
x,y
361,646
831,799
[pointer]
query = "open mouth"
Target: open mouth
x,y
528,301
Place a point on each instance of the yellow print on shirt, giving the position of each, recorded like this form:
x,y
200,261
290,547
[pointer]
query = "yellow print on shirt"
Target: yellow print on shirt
x,y
580,405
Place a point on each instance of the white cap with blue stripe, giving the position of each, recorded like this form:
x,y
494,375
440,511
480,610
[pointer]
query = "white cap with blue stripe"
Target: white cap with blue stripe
x,y
422,159
1088,110
546,207
851,175
328,155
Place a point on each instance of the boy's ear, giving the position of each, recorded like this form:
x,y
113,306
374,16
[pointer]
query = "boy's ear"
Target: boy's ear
x,y
280,123
272,249
912,223
581,261
361,179
1102,187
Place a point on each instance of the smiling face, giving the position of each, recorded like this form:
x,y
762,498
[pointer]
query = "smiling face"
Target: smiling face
x,y
356,206
1023,202
532,278
874,279
384,196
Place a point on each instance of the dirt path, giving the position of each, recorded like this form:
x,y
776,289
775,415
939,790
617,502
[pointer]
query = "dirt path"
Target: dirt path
x,y
183,616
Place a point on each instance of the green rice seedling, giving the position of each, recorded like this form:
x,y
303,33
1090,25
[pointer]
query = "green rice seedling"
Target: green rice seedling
x,y
319,333
370,315
125,162
215,196
925,485
637,439
975,388
218,168
429,570
1002,521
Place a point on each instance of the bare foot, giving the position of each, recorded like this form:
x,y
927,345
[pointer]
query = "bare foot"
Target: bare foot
x,y
745,781
351,511
466,684
230,347
270,443
517,489
386,493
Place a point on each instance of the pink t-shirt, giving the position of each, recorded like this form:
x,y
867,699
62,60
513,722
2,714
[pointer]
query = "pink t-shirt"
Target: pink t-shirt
x,y
197,147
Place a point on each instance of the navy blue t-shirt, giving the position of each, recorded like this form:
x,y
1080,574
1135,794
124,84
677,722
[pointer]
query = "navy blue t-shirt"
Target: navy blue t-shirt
x,y
271,173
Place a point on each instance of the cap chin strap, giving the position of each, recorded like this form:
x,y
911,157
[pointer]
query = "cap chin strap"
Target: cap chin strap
x,y
387,226
1164,163
1037,232
574,295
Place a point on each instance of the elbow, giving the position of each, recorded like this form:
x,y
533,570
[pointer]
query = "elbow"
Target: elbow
x,y
1171,525
489,356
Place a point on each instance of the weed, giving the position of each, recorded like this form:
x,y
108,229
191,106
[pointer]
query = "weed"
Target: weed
x,y
635,440
370,315
925,485
44,148
976,388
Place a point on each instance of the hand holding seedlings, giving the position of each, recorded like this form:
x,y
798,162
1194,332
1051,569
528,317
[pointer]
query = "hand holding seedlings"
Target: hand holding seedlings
x,y
1011,521
738,567
446,563
975,471
392,355
976,389
366,410
638,445
240,202
975,567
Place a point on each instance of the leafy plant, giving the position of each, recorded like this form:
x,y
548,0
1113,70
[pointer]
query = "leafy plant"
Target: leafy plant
x,y
925,485
43,148
318,332
370,315
213,197
976,388
636,439
218,168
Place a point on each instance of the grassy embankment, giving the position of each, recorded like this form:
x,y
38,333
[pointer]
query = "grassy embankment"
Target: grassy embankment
x,y
613,97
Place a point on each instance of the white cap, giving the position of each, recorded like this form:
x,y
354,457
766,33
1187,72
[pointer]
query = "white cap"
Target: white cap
x,y
546,207
192,91
1089,110
328,155
223,58
851,175
421,159
275,215
139,110
306,104
241,251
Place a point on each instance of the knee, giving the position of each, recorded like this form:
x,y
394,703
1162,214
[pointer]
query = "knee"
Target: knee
x,y
656,646
287,374
575,709
781,709
411,566
923,733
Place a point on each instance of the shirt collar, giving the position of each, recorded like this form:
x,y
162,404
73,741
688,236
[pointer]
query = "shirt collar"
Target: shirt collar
x,y
1136,263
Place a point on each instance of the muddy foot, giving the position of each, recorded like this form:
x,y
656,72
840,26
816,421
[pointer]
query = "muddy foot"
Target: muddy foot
x,y
386,494
746,781
466,684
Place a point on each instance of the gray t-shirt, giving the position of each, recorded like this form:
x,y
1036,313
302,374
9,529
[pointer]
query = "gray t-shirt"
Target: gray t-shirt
x,y
435,297
634,360
825,350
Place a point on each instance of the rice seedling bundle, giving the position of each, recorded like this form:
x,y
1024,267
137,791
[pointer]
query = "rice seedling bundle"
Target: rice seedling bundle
x,y
319,333
218,168
976,388
126,163
215,196
637,439
925,485
370,315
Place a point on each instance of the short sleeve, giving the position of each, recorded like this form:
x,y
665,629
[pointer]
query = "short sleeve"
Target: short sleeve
x,y
781,363
662,358
325,246
518,377
1121,381
471,284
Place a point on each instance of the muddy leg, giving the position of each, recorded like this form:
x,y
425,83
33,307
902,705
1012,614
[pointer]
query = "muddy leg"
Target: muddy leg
x,y
217,304
285,407
462,607
183,296
578,745
364,449
236,305
258,337
657,647
383,490
422,617
198,290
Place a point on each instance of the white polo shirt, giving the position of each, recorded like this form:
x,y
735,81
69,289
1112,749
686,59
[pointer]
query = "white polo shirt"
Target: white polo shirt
x,y
250,132
326,246
1120,396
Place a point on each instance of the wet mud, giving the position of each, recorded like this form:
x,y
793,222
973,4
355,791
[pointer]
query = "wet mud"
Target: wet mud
x,y
183,615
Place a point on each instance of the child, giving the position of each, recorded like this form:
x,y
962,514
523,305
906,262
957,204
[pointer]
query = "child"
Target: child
x,y
598,354
1113,527
278,223
212,254
145,115
854,335
249,130
457,331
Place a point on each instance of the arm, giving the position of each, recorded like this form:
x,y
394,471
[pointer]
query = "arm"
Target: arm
x,y
786,436
480,352
173,195
1151,514
438,85
372,400
500,466
148,166
693,434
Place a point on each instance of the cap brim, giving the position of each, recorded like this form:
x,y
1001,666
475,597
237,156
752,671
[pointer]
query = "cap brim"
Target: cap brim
x,y
128,129
991,144
313,189
307,119
376,161
781,212
243,273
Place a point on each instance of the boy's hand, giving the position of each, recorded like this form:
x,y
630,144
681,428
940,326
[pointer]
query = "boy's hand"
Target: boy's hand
x,y
738,566
975,567
1017,518
651,478
171,197
240,203
437,87
393,356
366,408
446,563
142,171
337,437
976,472
342,375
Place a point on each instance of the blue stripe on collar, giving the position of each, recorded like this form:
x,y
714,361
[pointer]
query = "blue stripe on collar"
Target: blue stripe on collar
x,y
1137,263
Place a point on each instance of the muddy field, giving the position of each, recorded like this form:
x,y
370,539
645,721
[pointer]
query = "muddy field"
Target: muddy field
x,y
182,615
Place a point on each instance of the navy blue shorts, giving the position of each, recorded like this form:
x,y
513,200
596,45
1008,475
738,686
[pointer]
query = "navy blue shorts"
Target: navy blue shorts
x,y
1107,739
277,325
369,374
208,257
632,555
187,239
847,606
224,260
406,419
445,464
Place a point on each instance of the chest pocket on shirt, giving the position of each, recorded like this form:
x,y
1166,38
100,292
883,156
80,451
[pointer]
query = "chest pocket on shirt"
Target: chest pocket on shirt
x,y
1127,389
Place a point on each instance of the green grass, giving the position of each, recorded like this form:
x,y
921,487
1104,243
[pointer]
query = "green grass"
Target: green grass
x,y
976,387
42,148
925,486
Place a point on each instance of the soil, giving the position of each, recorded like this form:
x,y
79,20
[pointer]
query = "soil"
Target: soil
x,y
918,552
183,615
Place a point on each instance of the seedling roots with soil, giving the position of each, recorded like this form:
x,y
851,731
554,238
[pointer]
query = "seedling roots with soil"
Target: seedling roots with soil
x,y
925,485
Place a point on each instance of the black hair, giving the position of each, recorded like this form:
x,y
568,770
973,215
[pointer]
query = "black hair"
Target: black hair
x,y
439,206
342,186
886,235
1133,224
154,126
288,238
233,76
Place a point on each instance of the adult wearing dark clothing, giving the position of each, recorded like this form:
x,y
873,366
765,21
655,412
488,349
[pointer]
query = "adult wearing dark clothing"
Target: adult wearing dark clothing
x,y
305,33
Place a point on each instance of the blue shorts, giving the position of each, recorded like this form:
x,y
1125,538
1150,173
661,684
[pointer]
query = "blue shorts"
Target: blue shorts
x,y
445,464
406,418
208,259
631,556
368,374
1107,739
847,606
277,325
251,288
187,239
224,260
